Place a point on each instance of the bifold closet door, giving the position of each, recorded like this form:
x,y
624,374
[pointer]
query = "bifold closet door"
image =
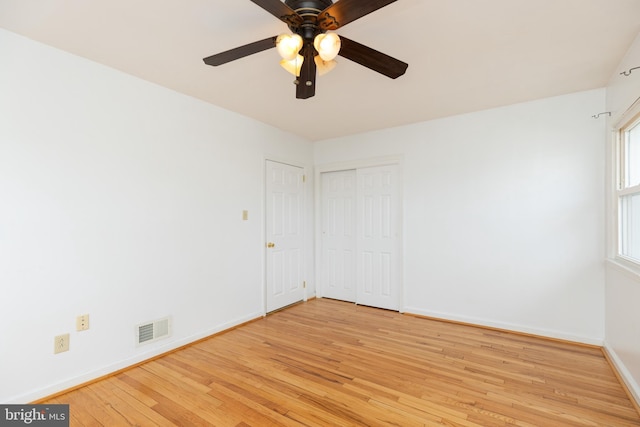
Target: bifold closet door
x,y
378,242
339,235
361,246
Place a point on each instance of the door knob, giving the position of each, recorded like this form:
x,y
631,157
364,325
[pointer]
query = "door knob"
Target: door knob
x,y
271,245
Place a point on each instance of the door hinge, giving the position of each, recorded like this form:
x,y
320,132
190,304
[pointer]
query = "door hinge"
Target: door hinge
x,y
304,178
304,284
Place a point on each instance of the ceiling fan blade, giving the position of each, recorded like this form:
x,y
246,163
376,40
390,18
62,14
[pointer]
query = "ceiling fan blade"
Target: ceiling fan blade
x,y
281,11
371,58
306,87
342,12
240,52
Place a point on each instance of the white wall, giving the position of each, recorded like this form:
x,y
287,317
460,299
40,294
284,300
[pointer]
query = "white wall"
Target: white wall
x,y
503,214
123,200
622,339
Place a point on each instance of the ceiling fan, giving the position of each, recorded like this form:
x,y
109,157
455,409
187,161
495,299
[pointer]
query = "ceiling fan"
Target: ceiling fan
x,y
309,21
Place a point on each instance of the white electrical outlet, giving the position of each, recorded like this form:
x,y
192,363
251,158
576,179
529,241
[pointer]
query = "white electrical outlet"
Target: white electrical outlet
x,y
82,322
61,343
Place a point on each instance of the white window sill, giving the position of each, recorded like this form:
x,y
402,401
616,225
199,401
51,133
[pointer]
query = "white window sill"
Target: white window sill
x,y
630,268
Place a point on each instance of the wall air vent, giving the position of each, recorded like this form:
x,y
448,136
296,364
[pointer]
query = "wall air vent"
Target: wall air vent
x,y
153,331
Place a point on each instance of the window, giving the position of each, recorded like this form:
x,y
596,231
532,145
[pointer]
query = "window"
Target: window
x,y
629,192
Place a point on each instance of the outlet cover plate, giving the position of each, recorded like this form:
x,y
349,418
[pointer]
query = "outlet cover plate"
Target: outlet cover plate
x,y
61,343
82,322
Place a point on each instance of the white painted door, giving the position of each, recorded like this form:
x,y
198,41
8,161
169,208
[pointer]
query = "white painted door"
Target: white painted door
x,y
378,237
361,236
338,256
284,235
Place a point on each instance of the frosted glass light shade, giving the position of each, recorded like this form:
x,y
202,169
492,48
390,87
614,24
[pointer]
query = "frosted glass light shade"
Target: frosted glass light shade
x,y
293,65
327,45
322,66
288,45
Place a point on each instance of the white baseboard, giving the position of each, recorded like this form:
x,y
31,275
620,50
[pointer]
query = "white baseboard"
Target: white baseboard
x,y
546,333
623,373
126,363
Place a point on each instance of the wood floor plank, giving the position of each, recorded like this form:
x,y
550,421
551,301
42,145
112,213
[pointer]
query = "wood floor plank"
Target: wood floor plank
x,y
332,363
132,410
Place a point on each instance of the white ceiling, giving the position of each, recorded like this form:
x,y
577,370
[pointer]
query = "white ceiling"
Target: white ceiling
x,y
463,55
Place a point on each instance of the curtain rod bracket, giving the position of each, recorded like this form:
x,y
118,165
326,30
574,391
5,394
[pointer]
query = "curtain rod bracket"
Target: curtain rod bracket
x,y
597,116
628,72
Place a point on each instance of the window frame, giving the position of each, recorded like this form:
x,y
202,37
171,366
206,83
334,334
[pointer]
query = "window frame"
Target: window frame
x,y
621,188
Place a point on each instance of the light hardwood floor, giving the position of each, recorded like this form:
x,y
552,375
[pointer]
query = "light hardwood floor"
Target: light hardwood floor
x,y
331,363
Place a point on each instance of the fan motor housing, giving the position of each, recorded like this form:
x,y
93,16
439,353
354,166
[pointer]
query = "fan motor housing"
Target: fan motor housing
x,y
308,5
308,10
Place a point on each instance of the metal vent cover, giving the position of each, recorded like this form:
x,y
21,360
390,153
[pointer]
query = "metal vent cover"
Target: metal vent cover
x,y
153,331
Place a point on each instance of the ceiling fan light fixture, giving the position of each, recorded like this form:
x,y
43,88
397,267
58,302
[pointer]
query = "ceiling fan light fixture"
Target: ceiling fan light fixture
x,y
322,66
327,45
288,45
294,65
308,22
